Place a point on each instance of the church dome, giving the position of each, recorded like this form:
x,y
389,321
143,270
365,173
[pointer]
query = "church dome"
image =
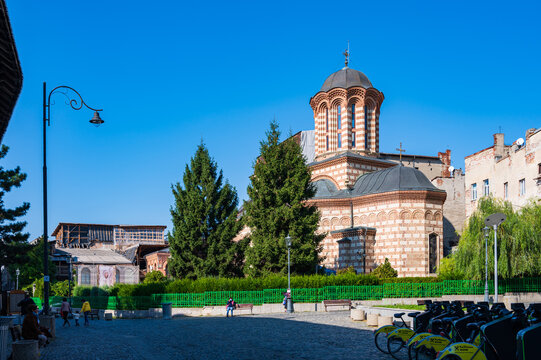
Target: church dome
x,y
345,79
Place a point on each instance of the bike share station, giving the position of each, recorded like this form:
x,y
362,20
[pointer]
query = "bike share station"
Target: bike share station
x,y
464,330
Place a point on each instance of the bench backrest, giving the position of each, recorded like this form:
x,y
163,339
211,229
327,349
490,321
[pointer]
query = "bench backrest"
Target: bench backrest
x,y
331,302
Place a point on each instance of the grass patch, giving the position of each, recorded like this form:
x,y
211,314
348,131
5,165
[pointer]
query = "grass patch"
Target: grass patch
x,y
408,307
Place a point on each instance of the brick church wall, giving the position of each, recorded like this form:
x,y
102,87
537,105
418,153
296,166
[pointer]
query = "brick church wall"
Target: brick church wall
x,y
403,222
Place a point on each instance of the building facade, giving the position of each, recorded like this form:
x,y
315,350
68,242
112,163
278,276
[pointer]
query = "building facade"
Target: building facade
x,y
509,172
157,261
117,237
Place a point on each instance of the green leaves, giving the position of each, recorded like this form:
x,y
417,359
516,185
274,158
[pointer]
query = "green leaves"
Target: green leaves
x,y
278,191
204,222
13,242
519,242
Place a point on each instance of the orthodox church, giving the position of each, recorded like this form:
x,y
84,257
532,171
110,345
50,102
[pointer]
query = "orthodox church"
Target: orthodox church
x,y
373,206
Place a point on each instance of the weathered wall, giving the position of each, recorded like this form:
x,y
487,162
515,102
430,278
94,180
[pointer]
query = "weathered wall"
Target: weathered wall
x,y
515,164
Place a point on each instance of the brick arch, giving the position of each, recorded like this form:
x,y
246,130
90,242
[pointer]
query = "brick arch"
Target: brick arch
x,y
345,221
356,220
337,101
325,223
363,220
437,216
327,177
382,216
356,93
322,106
418,215
334,223
405,215
393,215
428,215
372,218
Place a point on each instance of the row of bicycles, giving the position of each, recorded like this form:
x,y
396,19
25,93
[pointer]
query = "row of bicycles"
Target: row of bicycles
x,y
464,330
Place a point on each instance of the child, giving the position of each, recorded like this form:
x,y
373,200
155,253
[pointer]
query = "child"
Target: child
x,y
76,318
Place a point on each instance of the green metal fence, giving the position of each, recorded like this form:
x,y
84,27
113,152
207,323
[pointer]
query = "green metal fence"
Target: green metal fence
x,y
269,296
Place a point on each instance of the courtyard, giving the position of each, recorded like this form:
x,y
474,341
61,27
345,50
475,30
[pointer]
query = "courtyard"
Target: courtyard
x,y
331,335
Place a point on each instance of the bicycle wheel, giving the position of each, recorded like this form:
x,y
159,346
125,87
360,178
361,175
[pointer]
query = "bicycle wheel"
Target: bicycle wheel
x,y
451,357
381,342
394,345
422,353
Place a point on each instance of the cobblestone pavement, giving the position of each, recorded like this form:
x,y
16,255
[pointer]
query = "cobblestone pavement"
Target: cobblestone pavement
x,y
330,335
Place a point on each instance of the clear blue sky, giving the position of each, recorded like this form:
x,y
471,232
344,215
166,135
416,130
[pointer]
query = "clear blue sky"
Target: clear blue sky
x,y
170,73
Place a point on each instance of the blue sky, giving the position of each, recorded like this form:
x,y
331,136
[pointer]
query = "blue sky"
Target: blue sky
x,y
170,73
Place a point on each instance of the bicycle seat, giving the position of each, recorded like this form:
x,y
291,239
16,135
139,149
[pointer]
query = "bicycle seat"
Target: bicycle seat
x,y
475,326
448,320
399,315
414,314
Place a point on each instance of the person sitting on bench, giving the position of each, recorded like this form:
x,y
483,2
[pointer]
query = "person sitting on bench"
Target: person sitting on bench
x,y
31,328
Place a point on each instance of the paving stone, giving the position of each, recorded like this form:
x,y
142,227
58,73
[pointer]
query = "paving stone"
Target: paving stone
x,y
271,336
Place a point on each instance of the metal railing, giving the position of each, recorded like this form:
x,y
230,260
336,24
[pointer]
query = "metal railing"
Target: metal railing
x,y
306,295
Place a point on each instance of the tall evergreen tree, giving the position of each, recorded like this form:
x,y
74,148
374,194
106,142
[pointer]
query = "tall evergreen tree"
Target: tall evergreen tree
x,y
204,222
13,242
277,207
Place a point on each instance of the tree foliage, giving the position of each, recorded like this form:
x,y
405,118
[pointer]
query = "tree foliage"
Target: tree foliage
x,y
204,222
277,207
154,276
385,271
13,242
32,269
519,241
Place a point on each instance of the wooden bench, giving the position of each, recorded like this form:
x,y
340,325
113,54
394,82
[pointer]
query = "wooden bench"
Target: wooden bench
x,y
337,303
245,306
94,312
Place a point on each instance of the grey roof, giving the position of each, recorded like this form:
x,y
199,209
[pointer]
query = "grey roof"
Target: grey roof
x,y
346,78
396,178
162,251
354,155
130,253
94,256
11,81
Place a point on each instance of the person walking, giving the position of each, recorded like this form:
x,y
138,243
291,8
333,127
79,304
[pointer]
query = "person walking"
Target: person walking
x,y
65,309
85,309
31,329
230,306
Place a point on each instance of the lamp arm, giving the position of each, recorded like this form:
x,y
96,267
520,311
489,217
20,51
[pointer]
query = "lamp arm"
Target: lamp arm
x,y
76,104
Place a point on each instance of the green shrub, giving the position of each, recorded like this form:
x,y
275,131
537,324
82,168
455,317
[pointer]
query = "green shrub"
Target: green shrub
x,y
154,276
90,291
60,288
385,271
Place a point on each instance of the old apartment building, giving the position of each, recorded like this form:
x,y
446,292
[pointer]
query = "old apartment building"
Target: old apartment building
x,y
509,172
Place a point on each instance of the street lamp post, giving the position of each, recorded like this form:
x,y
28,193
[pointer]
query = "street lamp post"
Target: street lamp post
x,y
495,220
76,103
71,260
486,230
289,302
17,272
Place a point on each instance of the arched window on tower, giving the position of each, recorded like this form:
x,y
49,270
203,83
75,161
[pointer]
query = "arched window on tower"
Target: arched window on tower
x,y
352,125
85,277
339,140
432,253
327,120
366,127
327,140
339,116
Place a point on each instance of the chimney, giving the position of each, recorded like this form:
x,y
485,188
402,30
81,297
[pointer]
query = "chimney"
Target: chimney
x,y
446,160
499,147
530,132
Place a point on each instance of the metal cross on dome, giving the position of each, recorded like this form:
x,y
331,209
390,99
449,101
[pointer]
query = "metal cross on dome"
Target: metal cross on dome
x,y
346,54
400,150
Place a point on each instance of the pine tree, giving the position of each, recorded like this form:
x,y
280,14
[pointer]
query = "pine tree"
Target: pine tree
x,y
204,222
13,242
278,190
